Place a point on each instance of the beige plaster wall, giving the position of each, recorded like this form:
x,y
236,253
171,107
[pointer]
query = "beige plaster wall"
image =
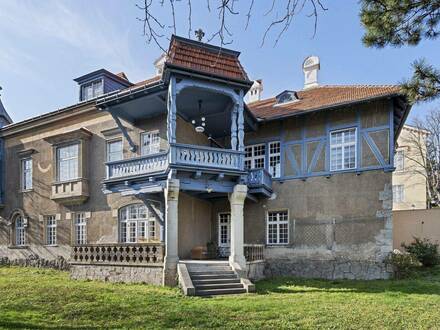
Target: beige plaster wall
x,y
194,224
411,177
415,223
101,209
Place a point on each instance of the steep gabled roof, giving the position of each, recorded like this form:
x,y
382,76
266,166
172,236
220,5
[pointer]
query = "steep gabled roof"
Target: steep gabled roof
x,y
321,98
200,57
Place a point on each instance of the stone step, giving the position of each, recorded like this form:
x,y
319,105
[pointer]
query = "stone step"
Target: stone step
x,y
218,272
213,292
218,286
209,270
216,281
213,276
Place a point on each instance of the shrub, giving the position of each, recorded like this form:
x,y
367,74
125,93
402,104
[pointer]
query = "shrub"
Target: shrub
x,y
424,250
403,263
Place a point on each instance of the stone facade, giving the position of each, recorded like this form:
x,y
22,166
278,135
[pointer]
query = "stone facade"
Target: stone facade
x,y
113,273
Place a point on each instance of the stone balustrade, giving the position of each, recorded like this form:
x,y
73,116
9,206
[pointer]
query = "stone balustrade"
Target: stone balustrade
x,y
118,254
254,252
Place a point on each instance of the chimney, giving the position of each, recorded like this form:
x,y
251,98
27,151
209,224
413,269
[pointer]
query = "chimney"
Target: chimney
x,y
159,64
311,67
256,90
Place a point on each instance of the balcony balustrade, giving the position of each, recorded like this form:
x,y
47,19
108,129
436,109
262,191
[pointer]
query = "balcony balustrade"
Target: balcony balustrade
x,y
127,254
259,178
182,155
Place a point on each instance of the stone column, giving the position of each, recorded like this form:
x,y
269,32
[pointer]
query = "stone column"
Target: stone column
x,y
171,233
237,225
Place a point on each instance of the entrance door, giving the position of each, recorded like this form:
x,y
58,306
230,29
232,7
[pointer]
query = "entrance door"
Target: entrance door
x,y
224,234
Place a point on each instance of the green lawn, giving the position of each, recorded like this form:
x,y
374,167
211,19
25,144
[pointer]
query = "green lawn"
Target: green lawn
x,y
36,298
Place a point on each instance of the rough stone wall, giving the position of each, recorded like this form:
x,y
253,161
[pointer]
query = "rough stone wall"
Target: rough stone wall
x,y
110,273
35,261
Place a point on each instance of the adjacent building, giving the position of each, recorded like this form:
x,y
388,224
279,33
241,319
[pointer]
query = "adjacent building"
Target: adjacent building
x,y
131,180
409,178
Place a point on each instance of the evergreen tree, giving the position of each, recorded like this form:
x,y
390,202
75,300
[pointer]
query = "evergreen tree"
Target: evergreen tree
x,y
405,22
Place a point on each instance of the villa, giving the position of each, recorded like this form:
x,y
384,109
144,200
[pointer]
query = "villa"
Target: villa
x,y
178,180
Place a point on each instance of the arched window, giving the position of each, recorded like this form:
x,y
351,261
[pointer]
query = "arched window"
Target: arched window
x,y
20,231
136,224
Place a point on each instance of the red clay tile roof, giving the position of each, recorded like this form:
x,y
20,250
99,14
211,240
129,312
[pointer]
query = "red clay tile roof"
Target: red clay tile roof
x,y
204,58
320,98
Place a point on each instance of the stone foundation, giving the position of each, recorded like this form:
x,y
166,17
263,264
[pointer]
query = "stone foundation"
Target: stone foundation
x,y
328,269
255,270
113,273
34,261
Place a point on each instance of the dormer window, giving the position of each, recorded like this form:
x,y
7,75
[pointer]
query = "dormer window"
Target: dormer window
x,y
92,89
100,82
287,96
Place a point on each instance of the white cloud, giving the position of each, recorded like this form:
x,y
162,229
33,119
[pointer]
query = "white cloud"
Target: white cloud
x,y
85,29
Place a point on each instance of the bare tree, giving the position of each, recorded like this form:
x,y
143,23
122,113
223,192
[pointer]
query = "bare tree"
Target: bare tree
x,y
423,155
280,14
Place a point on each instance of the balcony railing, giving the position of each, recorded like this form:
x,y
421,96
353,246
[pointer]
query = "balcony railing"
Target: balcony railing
x,y
259,178
181,155
206,157
124,254
254,252
148,164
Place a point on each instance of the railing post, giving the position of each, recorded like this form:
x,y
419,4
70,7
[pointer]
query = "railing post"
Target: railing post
x,y
172,111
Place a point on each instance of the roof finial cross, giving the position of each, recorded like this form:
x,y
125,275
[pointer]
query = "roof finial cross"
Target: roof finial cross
x,y
199,34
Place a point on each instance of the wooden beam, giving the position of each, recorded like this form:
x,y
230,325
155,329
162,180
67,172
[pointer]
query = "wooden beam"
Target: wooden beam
x,y
123,129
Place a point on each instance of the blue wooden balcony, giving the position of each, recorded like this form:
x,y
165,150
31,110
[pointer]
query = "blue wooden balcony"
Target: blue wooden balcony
x,y
191,159
259,181
180,156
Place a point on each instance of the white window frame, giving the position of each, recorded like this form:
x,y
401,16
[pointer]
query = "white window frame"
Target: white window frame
x,y
109,153
71,176
277,223
51,230
224,220
136,223
274,159
254,158
153,146
80,228
95,92
26,174
20,231
399,159
398,191
344,145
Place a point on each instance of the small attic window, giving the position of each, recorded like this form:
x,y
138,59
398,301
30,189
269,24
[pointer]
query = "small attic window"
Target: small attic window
x,y
287,96
92,89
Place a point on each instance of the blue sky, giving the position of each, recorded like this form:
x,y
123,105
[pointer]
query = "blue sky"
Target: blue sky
x,y
45,44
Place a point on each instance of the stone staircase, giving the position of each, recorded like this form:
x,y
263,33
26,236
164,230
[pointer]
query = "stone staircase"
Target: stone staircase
x,y
214,278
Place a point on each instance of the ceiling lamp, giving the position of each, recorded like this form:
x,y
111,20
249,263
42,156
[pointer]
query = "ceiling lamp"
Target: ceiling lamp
x,y
200,125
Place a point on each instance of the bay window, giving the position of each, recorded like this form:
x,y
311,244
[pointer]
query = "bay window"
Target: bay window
x,y
68,162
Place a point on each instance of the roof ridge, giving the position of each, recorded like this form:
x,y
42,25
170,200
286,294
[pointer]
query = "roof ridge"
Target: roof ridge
x,y
356,86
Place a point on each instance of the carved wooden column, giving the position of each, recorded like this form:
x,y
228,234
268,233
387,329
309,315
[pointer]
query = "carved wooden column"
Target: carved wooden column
x,y
234,112
172,111
240,122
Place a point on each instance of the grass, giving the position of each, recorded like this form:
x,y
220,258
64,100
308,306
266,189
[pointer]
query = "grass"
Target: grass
x,y
37,298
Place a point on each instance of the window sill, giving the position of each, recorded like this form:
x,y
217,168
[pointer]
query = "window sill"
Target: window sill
x,y
18,247
24,191
50,245
269,246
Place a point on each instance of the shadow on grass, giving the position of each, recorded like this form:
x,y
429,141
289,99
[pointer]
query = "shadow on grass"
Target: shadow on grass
x,y
423,282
